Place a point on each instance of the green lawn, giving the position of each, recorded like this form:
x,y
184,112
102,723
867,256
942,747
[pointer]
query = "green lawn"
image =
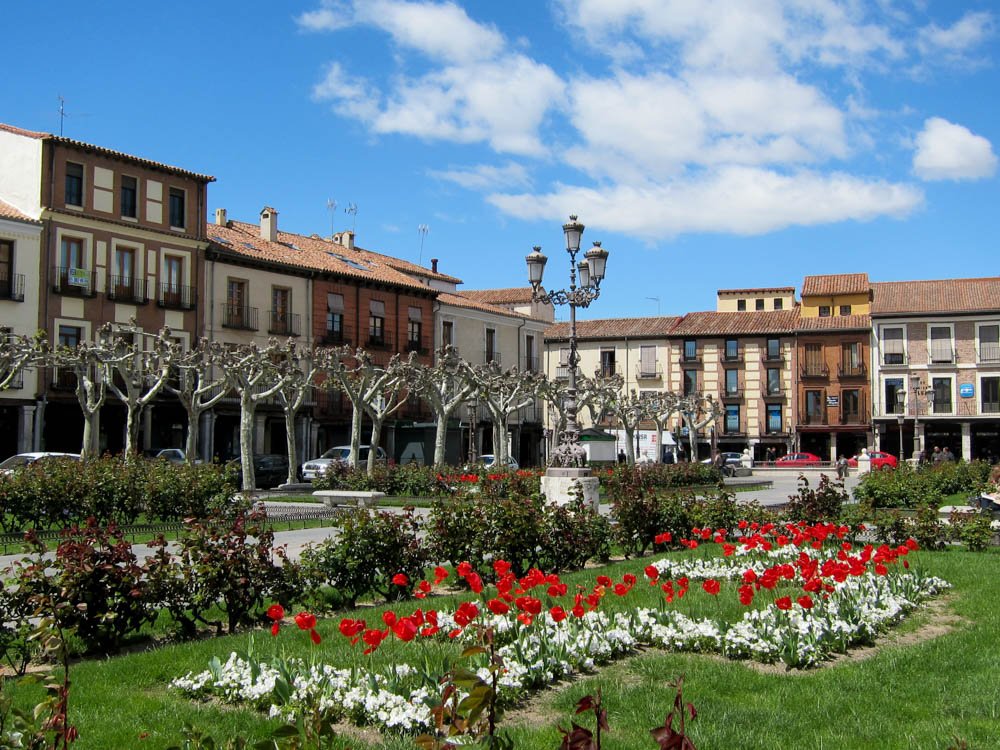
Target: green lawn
x,y
913,692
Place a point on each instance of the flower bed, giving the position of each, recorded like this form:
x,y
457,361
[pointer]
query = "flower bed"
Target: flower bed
x,y
815,596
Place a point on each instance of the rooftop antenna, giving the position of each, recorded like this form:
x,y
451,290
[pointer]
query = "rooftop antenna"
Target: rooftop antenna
x,y
352,209
331,206
657,301
62,114
422,229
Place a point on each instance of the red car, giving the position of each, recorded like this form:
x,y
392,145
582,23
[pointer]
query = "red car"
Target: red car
x,y
798,459
880,460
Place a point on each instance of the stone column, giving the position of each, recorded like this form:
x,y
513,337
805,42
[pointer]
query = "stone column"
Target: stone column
x,y
966,441
147,428
26,433
833,447
259,431
206,438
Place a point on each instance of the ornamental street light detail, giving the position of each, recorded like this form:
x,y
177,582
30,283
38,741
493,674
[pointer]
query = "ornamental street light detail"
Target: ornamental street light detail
x,y
584,287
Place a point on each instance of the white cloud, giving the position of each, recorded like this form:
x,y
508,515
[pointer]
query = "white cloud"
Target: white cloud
x,y
967,33
946,151
351,96
331,17
486,176
738,200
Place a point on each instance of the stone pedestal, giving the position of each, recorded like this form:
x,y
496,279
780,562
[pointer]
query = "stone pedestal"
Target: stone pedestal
x,y
864,462
560,484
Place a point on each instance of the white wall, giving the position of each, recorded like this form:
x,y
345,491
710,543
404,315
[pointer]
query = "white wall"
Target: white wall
x,y
21,172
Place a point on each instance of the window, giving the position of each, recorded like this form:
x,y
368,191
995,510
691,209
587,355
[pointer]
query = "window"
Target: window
x,y
990,390
607,363
122,283
773,381
774,349
850,358
447,333
732,350
850,406
814,365
6,268
732,382
732,418
778,305
941,388
690,382
74,184
647,361
758,304
530,362
129,197
281,311
376,322
845,309
491,346
815,408
941,344
989,343
71,253
173,275
824,311
414,329
69,336
72,274
892,346
690,350
236,313
774,420
895,403
177,208
335,318
741,305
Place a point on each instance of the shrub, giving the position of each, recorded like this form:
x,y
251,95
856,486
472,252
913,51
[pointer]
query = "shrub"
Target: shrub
x,y
640,518
574,533
928,530
973,530
624,480
927,485
370,548
824,503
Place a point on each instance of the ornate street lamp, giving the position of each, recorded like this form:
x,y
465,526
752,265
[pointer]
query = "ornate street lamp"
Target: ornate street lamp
x,y
590,272
900,408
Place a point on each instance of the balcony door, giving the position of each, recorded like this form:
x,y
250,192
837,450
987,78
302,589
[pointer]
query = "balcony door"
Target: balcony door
x,y
236,301
173,270
6,268
124,273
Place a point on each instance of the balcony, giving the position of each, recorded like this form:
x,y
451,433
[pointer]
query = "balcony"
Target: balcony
x,y
562,372
606,370
851,417
648,371
815,419
530,364
732,394
989,353
894,359
283,323
380,338
176,297
852,371
239,317
491,355
127,290
990,407
730,357
815,371
72,282
692,360
531,415
334,338
416,345
12,288
774,393
773,358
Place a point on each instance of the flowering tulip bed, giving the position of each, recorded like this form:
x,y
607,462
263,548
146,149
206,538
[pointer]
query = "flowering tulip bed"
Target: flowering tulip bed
x,y
807,592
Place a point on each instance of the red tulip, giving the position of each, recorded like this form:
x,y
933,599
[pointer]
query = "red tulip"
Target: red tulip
x,y
711,586
784,602
805,602
401,579
405,629
497,607
652,573
315,636
558,613
275,612
746,594
305,621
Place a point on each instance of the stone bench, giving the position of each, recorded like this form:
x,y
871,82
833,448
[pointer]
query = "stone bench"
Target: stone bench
x,y
357,498
945,511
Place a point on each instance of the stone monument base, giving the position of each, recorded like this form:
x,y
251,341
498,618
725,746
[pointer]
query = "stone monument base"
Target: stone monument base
x,y
559,485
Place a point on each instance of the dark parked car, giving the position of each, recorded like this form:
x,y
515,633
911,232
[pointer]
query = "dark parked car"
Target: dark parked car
x,y
269,469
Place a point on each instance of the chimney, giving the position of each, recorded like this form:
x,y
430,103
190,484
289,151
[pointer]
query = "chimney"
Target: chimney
x,y
347,240
220,217
434,265
269,224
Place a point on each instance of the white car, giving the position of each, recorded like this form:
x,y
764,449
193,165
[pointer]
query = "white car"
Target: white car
x,y
341,454
24,459
489,461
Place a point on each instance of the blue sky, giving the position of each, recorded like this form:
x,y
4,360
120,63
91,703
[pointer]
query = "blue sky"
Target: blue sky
x,y
708,143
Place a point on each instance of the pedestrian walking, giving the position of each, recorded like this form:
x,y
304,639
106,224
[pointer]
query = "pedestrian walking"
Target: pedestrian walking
x,y
841,467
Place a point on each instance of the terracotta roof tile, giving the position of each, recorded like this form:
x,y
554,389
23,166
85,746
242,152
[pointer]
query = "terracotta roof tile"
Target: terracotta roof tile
x,y
413,268
790,289
299,251
836,283
106,152
937,296
737,323
7,211
836,323
615,328
510,295
461,300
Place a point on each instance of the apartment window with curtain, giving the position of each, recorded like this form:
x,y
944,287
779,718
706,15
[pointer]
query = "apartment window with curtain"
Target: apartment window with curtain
x,y
236,313
850,358
773,381
492,355
850,406
815,408
530,361
732,418
690,350
732,351
941,350
813,365
376,322
129,197
447,333
71,264
123,281
335,318
774,421
989,343
74,184
989,389
893,351
647,361
690,382
942,395
414,328
6,268
607,363
732,382
773,349
281,310
893,403
177,208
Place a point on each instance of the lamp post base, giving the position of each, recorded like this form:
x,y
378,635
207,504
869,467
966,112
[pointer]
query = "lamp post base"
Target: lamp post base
x,y
561,485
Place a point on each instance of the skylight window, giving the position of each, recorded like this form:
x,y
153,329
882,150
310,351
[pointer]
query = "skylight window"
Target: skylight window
x,y
221,240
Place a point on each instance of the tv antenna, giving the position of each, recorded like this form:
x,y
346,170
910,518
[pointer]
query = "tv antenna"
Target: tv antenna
x,y
331,206
657,301
352,209
63,114
422,229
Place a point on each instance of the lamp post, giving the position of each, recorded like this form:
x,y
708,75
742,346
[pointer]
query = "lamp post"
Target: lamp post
x,y
591,269
900,408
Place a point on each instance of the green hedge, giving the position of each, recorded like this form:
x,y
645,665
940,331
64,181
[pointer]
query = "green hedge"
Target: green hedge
x,y
625,481
927,485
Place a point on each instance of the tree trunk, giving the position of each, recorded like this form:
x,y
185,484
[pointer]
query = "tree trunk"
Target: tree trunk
x,y
355,434
373,444
132,421
247,408
87,448
191,438
629,444
293,459
440,438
